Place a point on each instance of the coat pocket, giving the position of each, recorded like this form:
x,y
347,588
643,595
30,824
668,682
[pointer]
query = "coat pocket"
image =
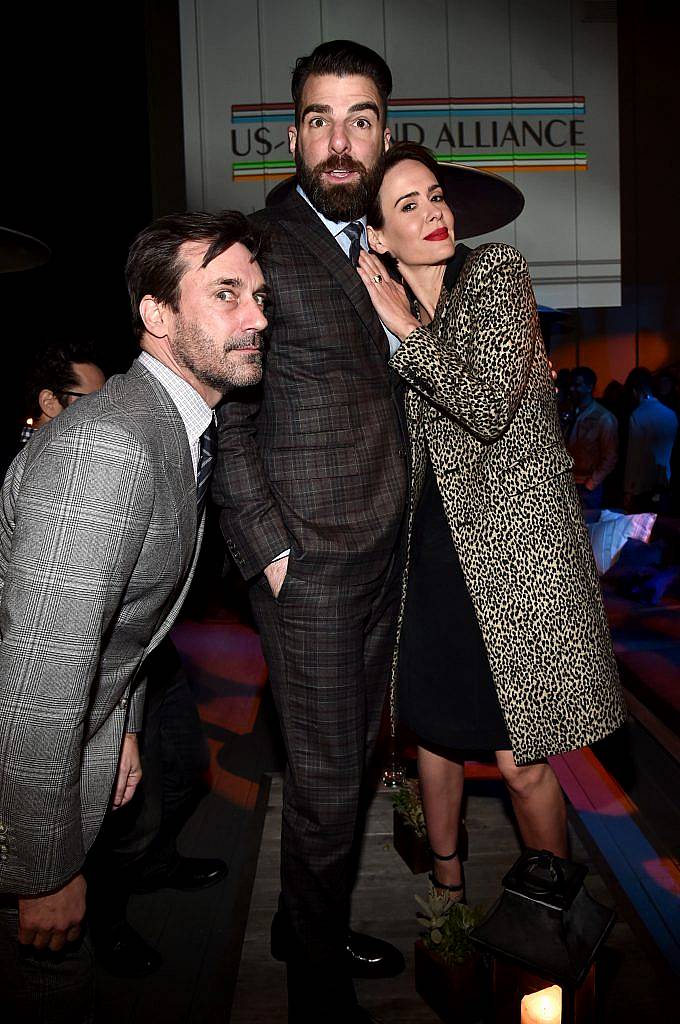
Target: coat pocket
x,y
531,470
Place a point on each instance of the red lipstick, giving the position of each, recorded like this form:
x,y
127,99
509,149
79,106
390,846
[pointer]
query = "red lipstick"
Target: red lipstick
x,y
438,235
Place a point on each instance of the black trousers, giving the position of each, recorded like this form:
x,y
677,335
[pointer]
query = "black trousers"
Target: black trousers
x,y
329,650
140,840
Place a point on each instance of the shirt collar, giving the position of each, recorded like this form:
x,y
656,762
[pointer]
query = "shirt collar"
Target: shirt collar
x,y
195,412
336,227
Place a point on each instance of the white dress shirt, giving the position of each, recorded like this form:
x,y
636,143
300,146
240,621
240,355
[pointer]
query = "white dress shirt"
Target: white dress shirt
x,y
195,412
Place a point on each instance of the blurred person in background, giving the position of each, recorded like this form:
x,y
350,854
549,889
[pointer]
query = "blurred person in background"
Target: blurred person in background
x,y
652,430
592,439
59,375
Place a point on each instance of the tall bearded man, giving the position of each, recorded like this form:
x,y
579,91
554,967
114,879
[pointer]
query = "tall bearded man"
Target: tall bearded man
x,y
311,479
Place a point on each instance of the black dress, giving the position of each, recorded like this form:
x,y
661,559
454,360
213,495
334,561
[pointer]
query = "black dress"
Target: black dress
x,y
445,692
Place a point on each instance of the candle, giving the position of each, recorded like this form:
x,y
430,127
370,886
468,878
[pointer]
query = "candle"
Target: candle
x,y
544,1007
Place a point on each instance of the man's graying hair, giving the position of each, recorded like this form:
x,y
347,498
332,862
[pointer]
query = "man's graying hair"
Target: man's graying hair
x,y
154,266
342,57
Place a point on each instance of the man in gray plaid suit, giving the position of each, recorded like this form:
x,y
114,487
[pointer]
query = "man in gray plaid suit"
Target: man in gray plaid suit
x,y
100,524
311,480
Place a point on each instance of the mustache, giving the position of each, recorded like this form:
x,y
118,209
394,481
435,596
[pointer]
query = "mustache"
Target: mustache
x,y
253,340
340,163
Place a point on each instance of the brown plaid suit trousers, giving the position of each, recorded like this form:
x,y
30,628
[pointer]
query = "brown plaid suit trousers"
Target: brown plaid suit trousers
x,y
314,461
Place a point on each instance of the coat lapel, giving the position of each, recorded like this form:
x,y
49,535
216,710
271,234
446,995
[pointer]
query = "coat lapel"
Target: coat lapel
x,y
299,220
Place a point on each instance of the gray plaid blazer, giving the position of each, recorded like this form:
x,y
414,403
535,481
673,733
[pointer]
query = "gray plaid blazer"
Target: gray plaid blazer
x,y
97,548
313,459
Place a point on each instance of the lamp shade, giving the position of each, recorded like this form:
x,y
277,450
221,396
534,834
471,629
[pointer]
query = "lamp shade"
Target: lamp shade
x,y
20,252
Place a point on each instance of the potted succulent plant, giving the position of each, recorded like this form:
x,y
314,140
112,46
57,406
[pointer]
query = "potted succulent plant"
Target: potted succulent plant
x,y
449,972
410,833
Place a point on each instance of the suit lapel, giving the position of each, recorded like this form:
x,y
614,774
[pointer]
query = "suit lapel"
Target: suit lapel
x,y
173,451
299,220
173,445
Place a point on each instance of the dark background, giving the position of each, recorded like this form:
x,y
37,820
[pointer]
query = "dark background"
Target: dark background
x,y
92,132
83,172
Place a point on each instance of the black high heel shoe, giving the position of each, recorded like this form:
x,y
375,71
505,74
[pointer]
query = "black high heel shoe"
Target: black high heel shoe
x,y
454,893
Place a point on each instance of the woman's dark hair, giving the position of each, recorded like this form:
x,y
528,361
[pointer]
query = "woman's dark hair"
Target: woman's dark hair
x,y
394,155
154,266
342,57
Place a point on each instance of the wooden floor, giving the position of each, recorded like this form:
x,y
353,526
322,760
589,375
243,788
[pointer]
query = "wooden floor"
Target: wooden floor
x,y
384,905
201,935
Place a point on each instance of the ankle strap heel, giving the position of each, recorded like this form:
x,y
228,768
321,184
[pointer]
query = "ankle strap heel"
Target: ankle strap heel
x,y
455,889
449,856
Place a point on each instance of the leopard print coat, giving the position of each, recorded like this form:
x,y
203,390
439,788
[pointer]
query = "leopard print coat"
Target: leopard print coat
x,y
481,403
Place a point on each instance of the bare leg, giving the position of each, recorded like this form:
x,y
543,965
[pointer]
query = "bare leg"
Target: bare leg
x,y
441,785
538,803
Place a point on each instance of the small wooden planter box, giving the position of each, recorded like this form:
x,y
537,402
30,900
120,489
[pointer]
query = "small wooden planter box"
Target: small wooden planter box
x,y
413,850
456,994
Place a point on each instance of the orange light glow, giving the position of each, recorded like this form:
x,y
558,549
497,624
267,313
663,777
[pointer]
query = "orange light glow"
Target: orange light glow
x,y
665,873
544,1007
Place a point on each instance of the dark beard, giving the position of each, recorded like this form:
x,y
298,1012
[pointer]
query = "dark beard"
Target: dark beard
x,y
340,202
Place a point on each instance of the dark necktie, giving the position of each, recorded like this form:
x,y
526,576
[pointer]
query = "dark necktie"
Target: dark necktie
x,y
354,231
206,460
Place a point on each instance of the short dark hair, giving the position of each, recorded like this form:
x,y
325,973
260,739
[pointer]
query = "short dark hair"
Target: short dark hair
x,y
52,368
641,379
154,267
342,57
589,376
394,155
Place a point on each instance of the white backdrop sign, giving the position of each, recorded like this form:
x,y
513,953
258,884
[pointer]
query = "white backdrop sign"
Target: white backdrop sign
x,y
525,88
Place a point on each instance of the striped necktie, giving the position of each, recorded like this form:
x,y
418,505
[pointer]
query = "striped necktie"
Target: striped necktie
x,y
354,231
206,460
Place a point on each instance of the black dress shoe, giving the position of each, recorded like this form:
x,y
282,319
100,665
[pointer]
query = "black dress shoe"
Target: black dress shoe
x,y
188,874
369,957
366,956
123,952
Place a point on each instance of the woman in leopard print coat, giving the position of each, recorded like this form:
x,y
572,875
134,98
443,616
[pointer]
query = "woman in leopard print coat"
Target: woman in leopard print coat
x,y
482,418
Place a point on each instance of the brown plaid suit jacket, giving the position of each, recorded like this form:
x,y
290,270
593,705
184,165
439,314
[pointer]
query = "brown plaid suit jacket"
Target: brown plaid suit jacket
x,y
97,547
314,459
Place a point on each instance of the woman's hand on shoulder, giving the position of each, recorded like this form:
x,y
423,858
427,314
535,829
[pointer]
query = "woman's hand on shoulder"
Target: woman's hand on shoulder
x,y
389,298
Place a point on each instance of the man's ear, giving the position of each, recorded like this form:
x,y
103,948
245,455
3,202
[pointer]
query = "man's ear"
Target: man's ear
x,y
387,138
155,315
50,405
292,138
375,240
